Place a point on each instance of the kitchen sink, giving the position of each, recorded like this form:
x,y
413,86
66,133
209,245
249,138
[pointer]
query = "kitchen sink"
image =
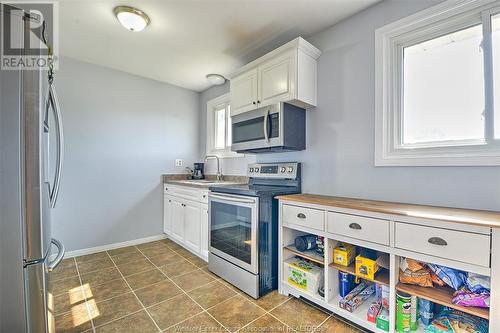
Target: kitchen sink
x,y
202,181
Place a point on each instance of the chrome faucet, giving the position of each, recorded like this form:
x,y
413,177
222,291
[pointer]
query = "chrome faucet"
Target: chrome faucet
x,y
219,174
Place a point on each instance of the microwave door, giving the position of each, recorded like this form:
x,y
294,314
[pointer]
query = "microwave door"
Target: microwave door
x,y
253,129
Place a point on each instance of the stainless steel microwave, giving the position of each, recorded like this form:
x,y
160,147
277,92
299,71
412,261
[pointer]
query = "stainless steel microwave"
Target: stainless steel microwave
x,y
273,128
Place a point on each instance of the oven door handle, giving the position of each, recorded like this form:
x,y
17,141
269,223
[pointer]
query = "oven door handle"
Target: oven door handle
x,y
231,198
266,125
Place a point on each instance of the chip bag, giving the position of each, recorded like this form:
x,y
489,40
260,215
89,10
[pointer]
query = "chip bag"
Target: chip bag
x,y
413,272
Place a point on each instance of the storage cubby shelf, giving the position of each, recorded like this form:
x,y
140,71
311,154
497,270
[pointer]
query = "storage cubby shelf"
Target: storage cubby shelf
x,y
443,296
382,276
316,297
358,315
309,255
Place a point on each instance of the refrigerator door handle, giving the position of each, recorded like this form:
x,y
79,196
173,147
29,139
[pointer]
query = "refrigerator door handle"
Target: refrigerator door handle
x,y
53,101
60,255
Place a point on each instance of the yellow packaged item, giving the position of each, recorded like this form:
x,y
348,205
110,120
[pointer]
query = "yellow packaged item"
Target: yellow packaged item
x,y
366,268
344,254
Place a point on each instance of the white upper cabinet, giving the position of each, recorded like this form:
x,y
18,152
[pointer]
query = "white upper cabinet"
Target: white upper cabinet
x,y
287,74
276,82
244,91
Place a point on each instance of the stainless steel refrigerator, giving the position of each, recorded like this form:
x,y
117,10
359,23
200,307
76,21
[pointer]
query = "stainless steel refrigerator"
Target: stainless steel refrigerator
x,y
30,123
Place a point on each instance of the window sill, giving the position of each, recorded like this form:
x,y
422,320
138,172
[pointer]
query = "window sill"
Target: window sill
x,y
460,156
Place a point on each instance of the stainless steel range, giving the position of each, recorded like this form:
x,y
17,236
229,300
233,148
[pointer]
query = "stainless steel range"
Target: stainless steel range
x,y
243,223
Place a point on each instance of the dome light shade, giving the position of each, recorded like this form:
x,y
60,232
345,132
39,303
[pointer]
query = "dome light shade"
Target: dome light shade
x,y
131,18
216,79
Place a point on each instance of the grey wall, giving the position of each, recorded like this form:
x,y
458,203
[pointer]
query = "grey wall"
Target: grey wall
x,y
122,132
339,159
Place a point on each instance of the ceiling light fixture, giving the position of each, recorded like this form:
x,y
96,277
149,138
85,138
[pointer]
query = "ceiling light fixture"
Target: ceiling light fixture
x,y
216,79
131,18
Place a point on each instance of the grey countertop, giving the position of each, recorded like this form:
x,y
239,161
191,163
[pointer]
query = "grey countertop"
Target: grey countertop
x,y
181,180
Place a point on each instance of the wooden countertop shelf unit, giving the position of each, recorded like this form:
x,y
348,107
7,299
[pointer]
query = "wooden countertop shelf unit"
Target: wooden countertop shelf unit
x,y
466,216
309,255
382,276
443,296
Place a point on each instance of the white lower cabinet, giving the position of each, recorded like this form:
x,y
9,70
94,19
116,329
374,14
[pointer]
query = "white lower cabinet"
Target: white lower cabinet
x,y
186,220
177,219
204,230
167,212
192,227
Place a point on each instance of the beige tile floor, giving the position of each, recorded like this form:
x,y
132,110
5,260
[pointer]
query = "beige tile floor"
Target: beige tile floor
x,y
161,287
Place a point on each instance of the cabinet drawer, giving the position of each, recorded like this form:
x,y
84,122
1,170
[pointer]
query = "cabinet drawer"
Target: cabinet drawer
x,y
449,244
183,192
307,217
360,227
203,197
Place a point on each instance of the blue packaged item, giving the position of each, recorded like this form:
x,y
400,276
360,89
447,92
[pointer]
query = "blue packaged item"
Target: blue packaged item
x,y
426,311
346,283
452,277
454,320
477,283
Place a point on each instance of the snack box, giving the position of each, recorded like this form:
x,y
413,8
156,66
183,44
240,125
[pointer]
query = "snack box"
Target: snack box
x,y
344,254
304,274
383,319
373,310
366,268
360,298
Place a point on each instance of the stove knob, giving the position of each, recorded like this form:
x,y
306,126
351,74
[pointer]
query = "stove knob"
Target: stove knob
x,y
256,169
283,169
251,169
290,169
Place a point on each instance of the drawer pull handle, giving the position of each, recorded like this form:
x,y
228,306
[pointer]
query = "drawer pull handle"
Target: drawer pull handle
x,y
301,215
355,226
437,241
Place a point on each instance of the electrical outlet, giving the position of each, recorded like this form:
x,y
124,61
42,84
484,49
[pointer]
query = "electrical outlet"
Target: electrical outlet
x,y
178,162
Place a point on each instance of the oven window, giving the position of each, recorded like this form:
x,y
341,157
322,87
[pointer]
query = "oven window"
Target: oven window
x,y
249,130
231,230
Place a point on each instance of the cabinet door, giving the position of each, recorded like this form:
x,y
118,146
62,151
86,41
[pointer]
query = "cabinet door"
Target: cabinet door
x,y
277,79
177,219
192,226
167,214
204,232
243,90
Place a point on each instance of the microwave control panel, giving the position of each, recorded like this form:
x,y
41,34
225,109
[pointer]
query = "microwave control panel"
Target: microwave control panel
x,y
273,170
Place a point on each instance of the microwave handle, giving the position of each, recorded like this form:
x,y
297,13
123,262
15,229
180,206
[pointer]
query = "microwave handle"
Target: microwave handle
x,y
266,124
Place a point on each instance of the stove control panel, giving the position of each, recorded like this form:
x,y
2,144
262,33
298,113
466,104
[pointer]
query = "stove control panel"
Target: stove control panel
x,y
273,170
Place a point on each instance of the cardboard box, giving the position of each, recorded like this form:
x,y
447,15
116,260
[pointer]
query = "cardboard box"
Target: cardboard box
x,y
360,298
366,268
304,274
383,319
344,254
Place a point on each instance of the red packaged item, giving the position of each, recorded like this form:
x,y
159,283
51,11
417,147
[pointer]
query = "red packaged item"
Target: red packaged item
x,y
372,313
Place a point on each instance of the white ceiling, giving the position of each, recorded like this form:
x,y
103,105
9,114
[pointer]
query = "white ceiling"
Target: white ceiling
x,y
188,39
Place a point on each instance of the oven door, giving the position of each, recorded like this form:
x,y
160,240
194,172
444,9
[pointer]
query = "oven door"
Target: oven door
x,y
260,128
233,236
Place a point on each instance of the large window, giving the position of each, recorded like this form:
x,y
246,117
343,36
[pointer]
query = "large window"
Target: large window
x,y
219,127
495,25
437,84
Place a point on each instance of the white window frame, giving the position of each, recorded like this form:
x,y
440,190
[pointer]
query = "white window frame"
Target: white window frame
x,y
390,40
212,106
